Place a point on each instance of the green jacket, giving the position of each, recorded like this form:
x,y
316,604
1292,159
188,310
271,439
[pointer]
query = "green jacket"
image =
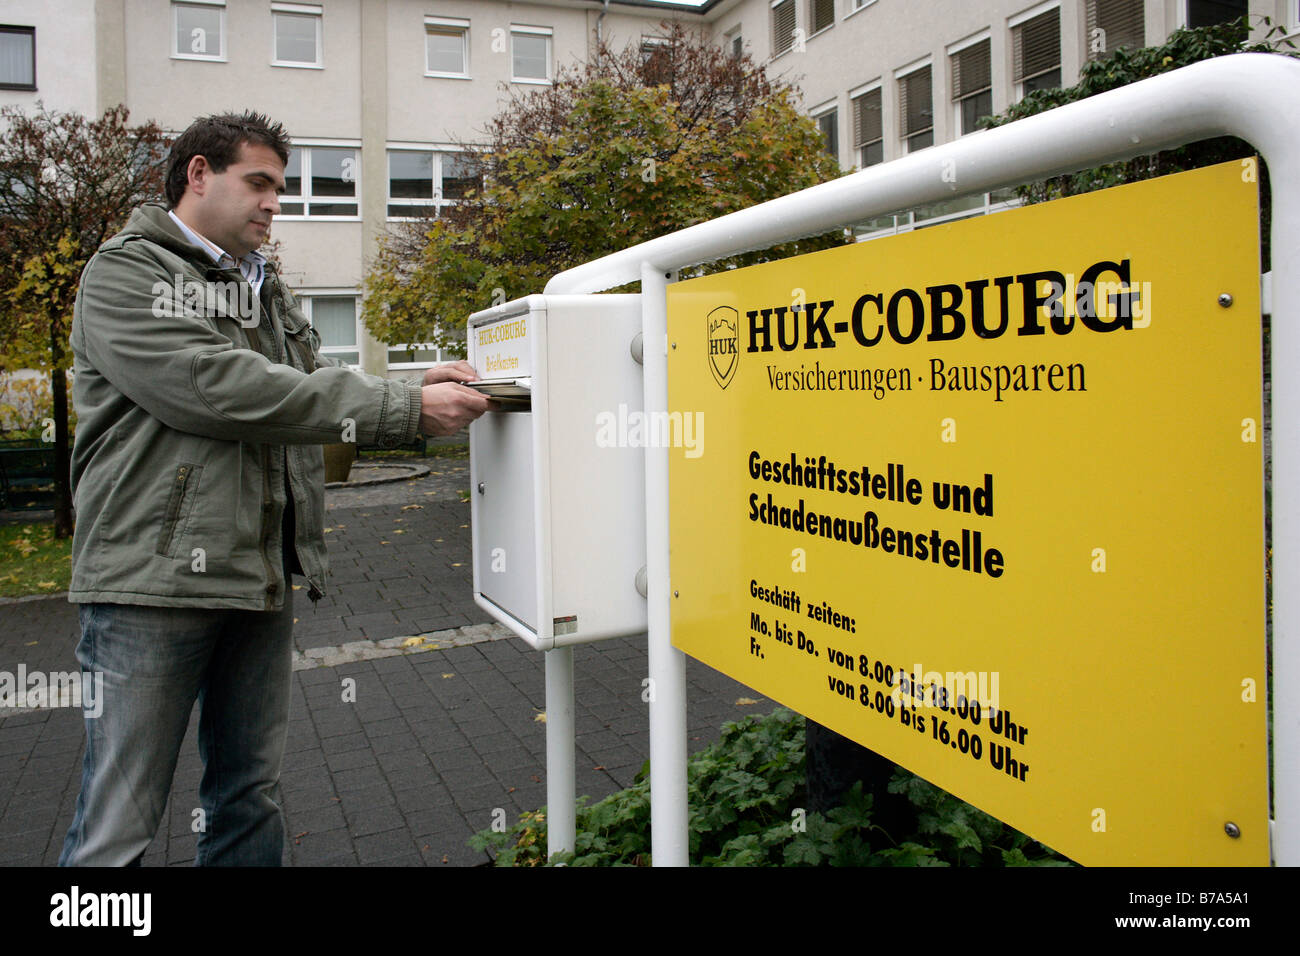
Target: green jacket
x,y
192,400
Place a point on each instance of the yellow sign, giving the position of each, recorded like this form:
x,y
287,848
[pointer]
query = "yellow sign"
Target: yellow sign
x,y
987,499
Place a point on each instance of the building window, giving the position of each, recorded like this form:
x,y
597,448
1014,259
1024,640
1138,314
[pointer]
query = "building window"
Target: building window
x,y
972,86
735,43
821,14
321,181
1207,13
17,58
199,31
829,124
1112,24
1037,52
414,355
915,110
422,181
860,4
296,34
783,26
868,129
334,317
446,47
530,54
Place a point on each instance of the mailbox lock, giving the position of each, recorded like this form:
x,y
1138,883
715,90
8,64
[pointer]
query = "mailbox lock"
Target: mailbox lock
x,y
480,487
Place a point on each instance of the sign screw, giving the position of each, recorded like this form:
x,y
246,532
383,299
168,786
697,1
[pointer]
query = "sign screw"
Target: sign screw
x,y
1225,299
1232,829
674,345
675,594
480,488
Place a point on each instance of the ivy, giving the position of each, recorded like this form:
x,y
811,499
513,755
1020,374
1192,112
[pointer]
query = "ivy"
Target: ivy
x,y
746,794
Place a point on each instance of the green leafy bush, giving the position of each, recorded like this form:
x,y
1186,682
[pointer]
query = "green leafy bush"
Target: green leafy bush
x,y
746,796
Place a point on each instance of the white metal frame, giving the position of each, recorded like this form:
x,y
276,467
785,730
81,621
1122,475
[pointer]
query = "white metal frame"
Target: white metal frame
x,y
1240,95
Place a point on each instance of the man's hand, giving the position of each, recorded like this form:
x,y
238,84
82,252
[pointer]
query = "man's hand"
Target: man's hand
x,y
451,372
448,406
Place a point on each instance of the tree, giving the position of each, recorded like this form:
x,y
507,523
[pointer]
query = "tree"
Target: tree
x,y
630,146
1124,66
66,185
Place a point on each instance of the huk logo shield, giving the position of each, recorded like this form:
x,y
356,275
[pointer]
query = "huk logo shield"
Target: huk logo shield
x,y
723,327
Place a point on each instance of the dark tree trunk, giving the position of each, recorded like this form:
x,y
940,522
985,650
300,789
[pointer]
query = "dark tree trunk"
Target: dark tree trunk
x,y
62,458
835,763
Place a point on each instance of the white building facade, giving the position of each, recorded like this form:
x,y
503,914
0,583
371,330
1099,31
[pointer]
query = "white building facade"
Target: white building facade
x,y
378,95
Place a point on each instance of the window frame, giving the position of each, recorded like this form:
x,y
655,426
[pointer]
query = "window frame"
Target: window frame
x,y
307,300
222,28
448,25
734,42
1092,13
831,109
1183,13
858,7
437,201
984,36
904,137
317,13
548,33
878,87
813,29
306,198
772,26
22,30
1014,24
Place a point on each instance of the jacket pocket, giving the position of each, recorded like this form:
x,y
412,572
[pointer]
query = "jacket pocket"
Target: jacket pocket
x,y
185,485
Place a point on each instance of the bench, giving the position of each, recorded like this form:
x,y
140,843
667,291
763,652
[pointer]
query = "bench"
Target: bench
x,y
25,467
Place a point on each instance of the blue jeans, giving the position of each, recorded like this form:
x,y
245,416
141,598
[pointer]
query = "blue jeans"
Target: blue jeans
x,y
156,662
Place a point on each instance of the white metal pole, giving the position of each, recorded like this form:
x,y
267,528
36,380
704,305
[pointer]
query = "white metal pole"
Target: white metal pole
x,y
669,813
1254,96
1285,247
561,808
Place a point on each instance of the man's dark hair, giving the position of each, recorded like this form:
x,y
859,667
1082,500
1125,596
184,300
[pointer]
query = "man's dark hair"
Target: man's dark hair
x,y
217,139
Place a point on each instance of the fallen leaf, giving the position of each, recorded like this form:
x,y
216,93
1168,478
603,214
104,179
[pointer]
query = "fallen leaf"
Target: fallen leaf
x,y
297,587
383,542
540,718
412,507
412,641
745,701
399,531
536,779
326,530
47,584
598,766
444,858
445,676
32,643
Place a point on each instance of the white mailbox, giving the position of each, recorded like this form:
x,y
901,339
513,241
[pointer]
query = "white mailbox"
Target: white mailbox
x,y
558,507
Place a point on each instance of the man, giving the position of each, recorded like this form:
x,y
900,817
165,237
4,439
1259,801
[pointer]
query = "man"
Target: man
x,y
198,479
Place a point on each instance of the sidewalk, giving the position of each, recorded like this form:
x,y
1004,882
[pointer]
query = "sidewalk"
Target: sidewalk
x,y
440,734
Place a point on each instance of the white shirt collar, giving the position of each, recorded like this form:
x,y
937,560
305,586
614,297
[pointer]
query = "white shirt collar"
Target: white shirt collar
x,y
252,266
